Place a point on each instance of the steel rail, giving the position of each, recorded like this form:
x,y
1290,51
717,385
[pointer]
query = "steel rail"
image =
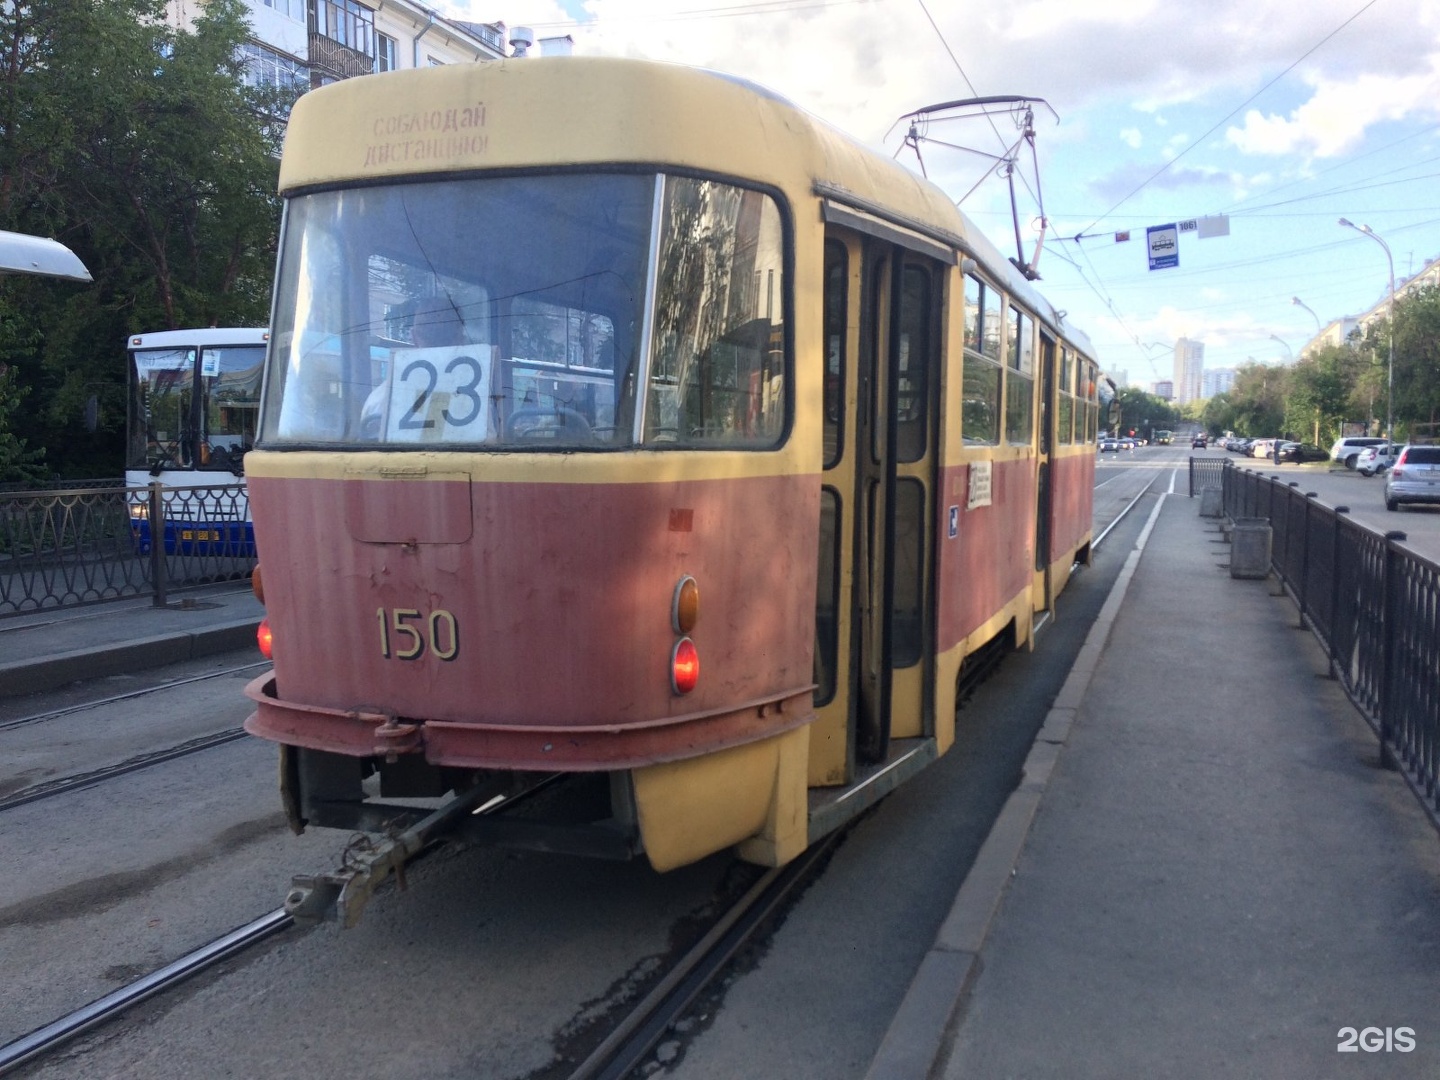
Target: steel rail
x,y
44,1039
54,714
81,781
628,1045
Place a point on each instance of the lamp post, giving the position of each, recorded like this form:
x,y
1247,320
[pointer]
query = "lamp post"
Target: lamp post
x,y
1390,375
1300,303
1288,349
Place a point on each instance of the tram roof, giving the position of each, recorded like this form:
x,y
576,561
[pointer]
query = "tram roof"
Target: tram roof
x,y
542,112
203,336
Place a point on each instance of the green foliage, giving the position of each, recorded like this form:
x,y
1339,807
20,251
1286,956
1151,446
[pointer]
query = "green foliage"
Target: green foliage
x,y
139,147
1144,412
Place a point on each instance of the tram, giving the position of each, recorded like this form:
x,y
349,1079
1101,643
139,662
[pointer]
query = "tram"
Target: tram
x,y
194,403
623,422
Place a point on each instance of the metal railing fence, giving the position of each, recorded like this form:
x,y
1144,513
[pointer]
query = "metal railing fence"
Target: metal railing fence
x,y
1374,606
65,548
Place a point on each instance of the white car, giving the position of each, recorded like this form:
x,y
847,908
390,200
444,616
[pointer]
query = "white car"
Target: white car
x,y
1376,459
1347,450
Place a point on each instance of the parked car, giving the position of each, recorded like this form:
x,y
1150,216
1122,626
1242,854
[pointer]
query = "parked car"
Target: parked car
x,y
1261,447
1376,459
1347,450
1415,476
1301,452
1198,442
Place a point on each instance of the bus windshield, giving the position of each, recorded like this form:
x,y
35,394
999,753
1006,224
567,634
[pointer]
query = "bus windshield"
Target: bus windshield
x,y
511,313
193,406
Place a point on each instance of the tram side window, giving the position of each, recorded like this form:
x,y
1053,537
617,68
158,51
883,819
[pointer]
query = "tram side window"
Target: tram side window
x,y
717,373
1090,388
916,352
1065,417
836,293
827,597
1020,379
980,410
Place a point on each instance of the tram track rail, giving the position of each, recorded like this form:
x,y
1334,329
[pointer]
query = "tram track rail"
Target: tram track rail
x,y
632,1041
48,1038
45,1040
78,707
81,781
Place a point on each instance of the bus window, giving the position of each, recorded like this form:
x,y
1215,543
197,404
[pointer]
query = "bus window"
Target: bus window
x,y
717,369
229,403
162,387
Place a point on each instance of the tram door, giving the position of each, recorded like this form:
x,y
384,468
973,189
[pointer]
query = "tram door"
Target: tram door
x,y
877,506
1044,494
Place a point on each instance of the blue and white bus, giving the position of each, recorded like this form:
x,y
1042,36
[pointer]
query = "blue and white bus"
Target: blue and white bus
x,y
194,396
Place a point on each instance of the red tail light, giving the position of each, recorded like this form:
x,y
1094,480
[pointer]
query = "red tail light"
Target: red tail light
x,y
264,639
684,667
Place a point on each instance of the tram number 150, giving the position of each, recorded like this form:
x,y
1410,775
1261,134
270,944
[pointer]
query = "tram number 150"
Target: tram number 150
x,y
407,634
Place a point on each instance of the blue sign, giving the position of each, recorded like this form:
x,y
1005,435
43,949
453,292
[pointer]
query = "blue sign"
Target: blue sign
x,y
1163,242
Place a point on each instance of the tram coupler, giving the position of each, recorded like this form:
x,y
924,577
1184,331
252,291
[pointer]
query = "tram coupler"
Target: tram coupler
x,y
341,896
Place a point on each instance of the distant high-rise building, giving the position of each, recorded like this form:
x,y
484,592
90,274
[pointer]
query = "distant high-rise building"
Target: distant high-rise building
x,y
1189,368
1164,389
1217,381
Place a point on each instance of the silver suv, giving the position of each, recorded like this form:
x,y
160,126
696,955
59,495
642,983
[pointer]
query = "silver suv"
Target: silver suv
x,y
1414,478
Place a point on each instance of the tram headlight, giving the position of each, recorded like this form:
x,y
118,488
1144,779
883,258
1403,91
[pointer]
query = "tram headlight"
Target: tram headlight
x,y
265,639
684,666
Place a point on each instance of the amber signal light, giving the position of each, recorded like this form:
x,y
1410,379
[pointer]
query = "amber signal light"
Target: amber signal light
x,y
684,666
685,608
257,586
265,639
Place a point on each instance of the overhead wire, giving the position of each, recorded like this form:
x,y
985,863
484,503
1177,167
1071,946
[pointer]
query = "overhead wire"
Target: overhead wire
x,y
1217,125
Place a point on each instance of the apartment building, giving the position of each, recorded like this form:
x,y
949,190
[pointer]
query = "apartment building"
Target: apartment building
x,y
300,44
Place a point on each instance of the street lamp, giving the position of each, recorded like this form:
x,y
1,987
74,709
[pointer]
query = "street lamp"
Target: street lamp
x,y
1390,376
1288,349
1300,303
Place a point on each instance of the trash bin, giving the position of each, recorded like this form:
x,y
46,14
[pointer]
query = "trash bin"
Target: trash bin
x,y
1250,548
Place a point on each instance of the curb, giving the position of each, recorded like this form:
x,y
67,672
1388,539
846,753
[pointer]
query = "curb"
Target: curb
x,y
52,672
921,1031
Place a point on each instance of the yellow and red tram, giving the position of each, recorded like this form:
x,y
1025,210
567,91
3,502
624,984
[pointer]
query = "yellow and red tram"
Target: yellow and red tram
x,y
621,419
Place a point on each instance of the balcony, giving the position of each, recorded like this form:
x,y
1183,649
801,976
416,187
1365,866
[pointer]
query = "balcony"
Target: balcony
x,y
329,57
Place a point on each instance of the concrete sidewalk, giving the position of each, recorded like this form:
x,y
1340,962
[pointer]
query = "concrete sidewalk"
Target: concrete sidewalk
x,y
49,649
1204,873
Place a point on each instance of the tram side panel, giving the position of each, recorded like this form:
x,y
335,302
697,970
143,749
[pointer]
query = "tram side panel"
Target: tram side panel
x,y
984,570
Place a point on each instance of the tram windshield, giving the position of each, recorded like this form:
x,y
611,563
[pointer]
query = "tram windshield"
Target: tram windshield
x,y
193,407
524,313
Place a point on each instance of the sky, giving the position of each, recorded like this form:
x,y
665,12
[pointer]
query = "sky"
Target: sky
x,y
1283,116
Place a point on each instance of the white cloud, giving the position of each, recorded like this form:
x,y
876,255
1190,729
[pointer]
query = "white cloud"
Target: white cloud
x,y
1337,114
1132,138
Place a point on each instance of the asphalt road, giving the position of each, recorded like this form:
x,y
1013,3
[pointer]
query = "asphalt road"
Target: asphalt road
x,y
490,964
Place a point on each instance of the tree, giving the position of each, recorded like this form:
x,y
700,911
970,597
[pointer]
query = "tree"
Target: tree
x,y
1321,385
1417,358
140,147
1257,400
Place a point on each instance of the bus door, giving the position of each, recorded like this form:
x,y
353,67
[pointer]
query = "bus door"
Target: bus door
x,y
1043,492
883,334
